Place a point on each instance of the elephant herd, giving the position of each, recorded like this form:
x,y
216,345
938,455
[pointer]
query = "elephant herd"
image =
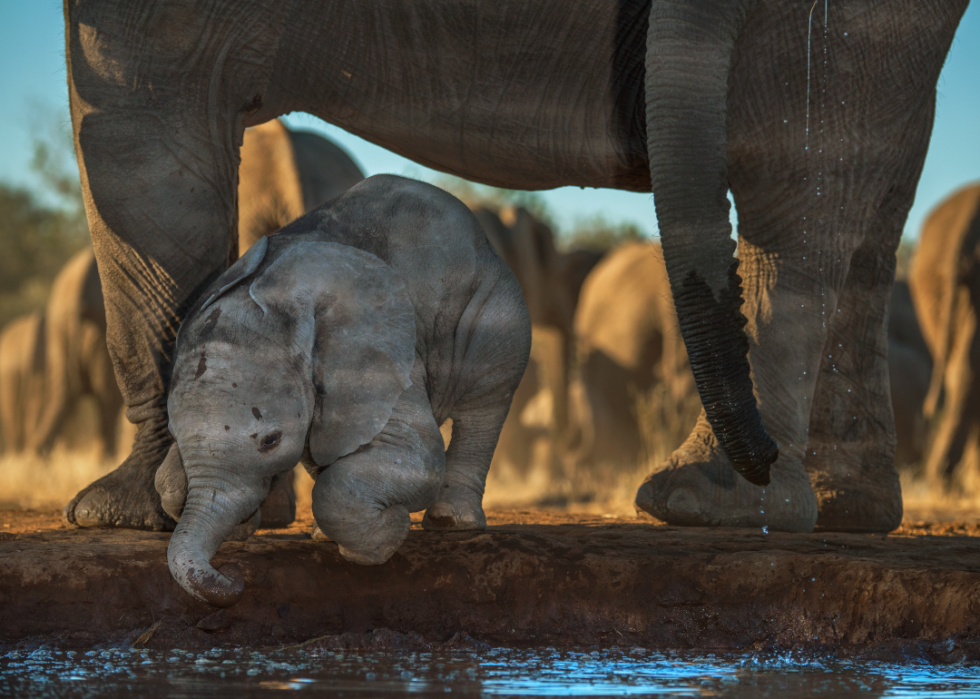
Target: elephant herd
x,y
605,335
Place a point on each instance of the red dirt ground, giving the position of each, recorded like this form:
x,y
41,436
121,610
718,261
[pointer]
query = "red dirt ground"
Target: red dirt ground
x,y
533,578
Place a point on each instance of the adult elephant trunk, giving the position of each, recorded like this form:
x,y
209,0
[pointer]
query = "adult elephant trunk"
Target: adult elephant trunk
x,y
211,511
689,56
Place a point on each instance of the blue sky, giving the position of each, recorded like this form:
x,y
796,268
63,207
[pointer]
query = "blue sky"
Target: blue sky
x,y
32,81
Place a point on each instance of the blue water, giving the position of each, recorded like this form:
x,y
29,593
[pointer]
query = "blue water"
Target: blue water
x,y
491,673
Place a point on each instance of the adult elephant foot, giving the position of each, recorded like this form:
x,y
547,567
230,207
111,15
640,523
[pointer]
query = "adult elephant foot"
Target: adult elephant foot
x,y
856,497
127,497
850,456
697,486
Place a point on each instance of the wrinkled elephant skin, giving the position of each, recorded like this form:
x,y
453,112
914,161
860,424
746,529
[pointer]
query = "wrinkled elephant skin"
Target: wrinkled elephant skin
x,y
779,102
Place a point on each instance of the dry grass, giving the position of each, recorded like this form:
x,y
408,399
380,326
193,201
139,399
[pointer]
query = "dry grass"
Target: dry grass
x,y
575,485
553,481
931,502
43,483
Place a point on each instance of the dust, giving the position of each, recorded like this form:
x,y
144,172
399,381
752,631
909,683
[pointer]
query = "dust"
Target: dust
x,y
29,481
926,500
34,482
564,476
557,478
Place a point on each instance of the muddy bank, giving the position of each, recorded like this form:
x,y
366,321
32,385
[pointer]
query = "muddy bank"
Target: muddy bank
x,y
533,578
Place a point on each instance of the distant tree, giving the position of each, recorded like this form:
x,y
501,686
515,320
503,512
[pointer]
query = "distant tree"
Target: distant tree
x,y
36,240
903,257
599,235
495,198
40,229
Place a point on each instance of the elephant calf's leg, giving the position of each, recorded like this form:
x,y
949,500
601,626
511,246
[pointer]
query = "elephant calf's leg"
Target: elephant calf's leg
x,y
363,500
494,363
279,508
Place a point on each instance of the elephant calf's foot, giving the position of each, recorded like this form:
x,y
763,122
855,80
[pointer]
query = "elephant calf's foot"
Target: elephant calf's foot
x,y
457,509
244,530
125,498
279,508
698,487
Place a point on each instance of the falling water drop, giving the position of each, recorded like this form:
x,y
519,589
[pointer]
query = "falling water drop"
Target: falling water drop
x,y
809,33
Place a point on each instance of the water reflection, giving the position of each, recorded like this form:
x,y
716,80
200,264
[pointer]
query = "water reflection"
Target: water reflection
x,y
495,673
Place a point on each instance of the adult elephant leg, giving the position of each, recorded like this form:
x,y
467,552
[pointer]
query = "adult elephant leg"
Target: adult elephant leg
x,y
496,355
697,485
152,268
852,428
851,453
959,409
102,382
157,144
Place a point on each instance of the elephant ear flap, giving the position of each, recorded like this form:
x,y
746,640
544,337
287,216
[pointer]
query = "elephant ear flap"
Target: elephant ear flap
x,y
363,351
243,268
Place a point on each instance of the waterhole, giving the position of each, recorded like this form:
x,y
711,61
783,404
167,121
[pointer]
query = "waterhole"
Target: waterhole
x,y
487,672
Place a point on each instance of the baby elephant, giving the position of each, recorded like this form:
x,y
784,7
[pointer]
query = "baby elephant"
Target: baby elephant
x,y
343,342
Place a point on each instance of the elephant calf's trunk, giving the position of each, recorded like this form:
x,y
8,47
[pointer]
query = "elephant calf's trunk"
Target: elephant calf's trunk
x,y
199,533
221,587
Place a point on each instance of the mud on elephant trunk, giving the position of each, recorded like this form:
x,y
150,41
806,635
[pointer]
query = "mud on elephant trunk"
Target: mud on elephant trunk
x,y
209,515
689,52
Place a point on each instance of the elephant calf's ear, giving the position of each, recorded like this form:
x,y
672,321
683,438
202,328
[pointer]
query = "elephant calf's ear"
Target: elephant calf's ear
x,y
244,267
171,483
364,346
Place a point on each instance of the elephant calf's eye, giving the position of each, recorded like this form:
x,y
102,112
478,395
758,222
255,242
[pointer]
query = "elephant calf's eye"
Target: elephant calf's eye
x,y
270,442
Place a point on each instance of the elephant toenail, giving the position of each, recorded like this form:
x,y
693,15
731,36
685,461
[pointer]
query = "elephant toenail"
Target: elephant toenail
x,y
684,501
85,512
645,497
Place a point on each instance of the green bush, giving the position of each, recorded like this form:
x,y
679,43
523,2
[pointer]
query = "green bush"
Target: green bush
x,y
38,237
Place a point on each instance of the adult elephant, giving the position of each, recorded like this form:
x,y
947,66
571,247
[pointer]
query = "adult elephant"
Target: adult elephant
x,y
945,282
284,174
76,360
777,101
21,378
909,369
629,345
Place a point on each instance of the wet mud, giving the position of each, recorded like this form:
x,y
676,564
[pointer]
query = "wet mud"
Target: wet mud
x,y
537,578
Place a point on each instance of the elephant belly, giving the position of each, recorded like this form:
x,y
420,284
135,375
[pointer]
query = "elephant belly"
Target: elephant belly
x,y
447,84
